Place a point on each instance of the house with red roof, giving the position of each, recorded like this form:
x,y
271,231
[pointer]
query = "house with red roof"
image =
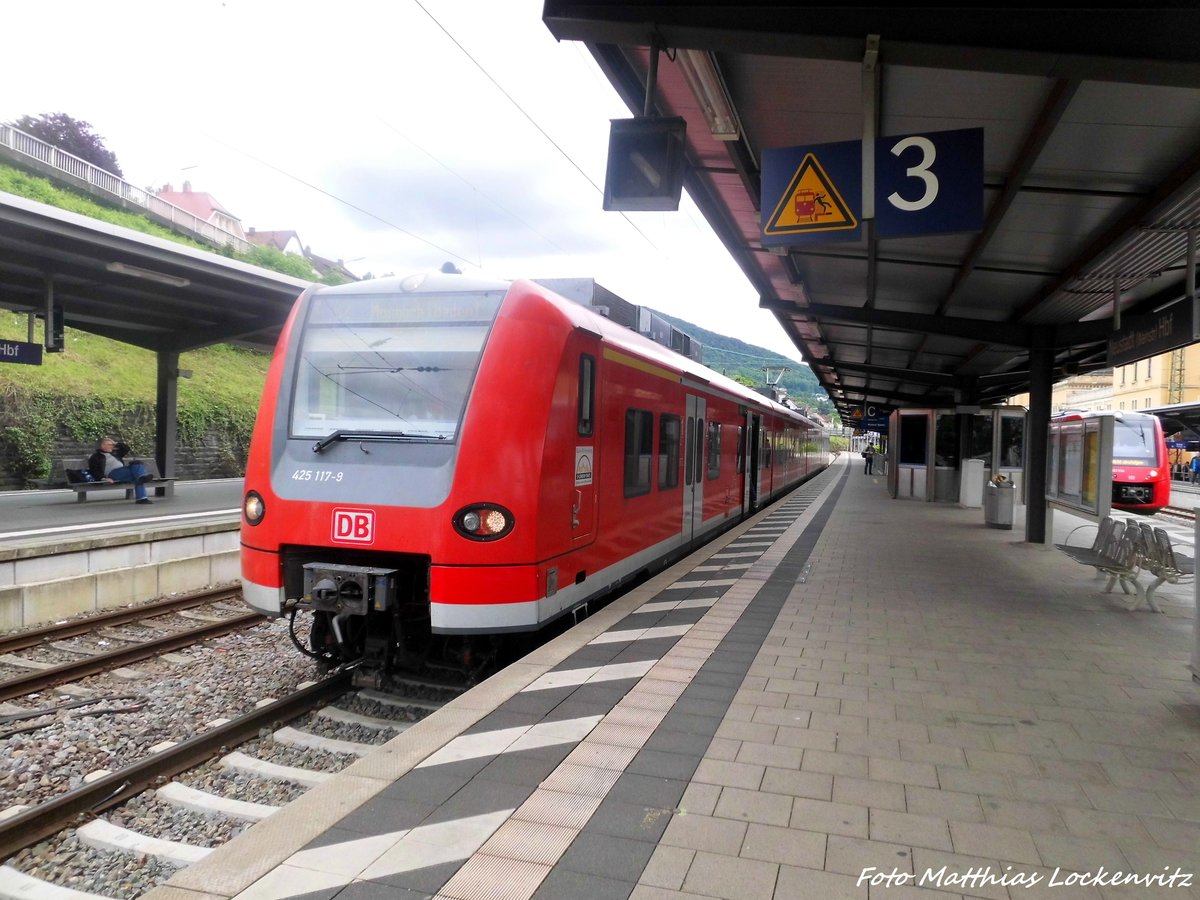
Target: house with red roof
x,y
283,241
203,206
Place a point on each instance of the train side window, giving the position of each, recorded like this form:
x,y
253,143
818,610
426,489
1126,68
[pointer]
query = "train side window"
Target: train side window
x,y
766,453
668,452
741,450
714,449
587,394
639,449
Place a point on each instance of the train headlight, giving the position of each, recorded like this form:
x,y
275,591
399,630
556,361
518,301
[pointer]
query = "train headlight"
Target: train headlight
x,y
483,521
253,508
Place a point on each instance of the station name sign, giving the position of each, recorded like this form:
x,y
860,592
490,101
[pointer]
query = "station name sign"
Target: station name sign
x,y
20,352
1143,336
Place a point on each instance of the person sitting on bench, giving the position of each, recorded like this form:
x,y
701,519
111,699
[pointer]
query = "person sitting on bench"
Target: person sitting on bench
x,y
108,464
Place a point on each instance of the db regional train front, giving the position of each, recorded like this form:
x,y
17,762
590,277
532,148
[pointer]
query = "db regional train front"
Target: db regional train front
x,y
441,460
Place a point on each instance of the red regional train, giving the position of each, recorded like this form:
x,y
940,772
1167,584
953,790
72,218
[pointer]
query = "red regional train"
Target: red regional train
x,y
439,460
1141,480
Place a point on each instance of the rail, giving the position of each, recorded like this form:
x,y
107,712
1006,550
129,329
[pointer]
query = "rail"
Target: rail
x,y
29,827
48,155
102,662
23,640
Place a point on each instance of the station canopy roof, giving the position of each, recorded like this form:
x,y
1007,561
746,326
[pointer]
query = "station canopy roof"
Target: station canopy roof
x,y
135,288
1091,173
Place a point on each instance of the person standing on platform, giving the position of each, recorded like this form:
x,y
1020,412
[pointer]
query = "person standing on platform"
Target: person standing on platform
x,y
108,464
1194,465
869,456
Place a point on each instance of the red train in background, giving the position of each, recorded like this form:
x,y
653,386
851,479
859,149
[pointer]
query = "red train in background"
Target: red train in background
x,y
1141,479
440,460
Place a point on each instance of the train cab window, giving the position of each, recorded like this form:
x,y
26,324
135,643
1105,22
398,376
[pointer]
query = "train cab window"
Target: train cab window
x,y
378,361
714,449
639,448
587,394
668,452
766,453
741,450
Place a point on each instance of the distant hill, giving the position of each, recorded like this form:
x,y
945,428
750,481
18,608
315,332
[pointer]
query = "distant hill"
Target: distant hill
x,y
737,359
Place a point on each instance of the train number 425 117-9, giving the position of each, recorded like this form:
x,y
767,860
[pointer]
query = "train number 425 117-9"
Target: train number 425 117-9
x,y
316,475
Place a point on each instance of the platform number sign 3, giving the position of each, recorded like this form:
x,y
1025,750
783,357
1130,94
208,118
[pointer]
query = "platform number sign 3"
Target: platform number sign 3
x,y
923,171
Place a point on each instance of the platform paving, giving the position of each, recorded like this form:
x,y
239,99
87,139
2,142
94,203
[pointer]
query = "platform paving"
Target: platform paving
x,y
851,696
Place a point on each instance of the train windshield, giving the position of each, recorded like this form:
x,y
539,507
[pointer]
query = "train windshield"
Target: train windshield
x,y
1134,442
392,364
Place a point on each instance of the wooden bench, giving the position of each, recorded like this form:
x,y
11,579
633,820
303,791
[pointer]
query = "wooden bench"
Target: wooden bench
x,y
66,474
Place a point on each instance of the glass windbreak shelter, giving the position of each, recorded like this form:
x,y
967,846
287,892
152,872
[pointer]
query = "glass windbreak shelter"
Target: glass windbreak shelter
x,y
928,446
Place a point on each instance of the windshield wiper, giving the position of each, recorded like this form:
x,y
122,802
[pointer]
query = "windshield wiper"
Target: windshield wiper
x,y
358,370
395,437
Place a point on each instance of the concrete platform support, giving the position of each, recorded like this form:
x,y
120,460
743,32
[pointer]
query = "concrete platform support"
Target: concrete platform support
x,y
42,585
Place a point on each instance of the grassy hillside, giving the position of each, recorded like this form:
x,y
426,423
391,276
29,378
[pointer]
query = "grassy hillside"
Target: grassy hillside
x,y
96,386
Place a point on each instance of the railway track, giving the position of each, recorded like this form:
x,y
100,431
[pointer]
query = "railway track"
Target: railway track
x,y
133,813
91,661
21,640
32,825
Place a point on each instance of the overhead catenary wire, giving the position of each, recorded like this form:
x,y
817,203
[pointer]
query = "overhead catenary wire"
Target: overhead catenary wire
x,y
409,232
528,117
342,200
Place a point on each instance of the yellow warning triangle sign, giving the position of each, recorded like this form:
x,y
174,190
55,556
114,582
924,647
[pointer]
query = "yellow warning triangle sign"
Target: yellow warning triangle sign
x,y
810,204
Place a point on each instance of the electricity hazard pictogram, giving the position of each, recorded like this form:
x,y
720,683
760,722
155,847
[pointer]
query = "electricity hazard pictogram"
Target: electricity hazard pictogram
x,y
810,204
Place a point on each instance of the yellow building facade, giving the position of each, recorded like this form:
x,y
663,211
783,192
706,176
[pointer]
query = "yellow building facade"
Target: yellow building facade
x,y
1162,380
1146,384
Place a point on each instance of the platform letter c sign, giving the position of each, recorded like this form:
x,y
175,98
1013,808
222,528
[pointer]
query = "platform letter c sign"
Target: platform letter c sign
x,y
354,526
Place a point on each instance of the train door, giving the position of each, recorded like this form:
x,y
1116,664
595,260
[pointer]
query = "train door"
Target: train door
x,y
753,441
693,468
583,508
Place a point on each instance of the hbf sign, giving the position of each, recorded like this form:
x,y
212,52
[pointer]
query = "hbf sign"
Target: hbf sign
x,y
21,352
353,526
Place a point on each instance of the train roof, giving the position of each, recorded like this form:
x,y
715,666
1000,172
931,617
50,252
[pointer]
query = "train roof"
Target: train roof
x,y
579,316
624,338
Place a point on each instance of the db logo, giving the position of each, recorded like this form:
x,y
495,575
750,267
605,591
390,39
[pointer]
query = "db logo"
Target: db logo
x,y
354,526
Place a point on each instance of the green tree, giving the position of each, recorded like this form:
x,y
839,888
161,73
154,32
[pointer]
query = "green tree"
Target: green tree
x,y
73,136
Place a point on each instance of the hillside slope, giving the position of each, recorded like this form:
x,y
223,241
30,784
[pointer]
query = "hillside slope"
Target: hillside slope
x,y
747,362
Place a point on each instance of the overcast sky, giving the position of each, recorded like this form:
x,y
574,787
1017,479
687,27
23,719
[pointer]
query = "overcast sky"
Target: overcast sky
x,y
394,136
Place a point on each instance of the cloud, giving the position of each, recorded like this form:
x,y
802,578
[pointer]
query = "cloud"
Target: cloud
x,y
393,136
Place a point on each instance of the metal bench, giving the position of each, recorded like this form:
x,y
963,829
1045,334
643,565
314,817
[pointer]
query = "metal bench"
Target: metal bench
x,y
1160,560
70,478
1117,553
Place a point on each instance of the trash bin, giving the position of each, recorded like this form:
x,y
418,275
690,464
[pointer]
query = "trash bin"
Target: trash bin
x,y
998,504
